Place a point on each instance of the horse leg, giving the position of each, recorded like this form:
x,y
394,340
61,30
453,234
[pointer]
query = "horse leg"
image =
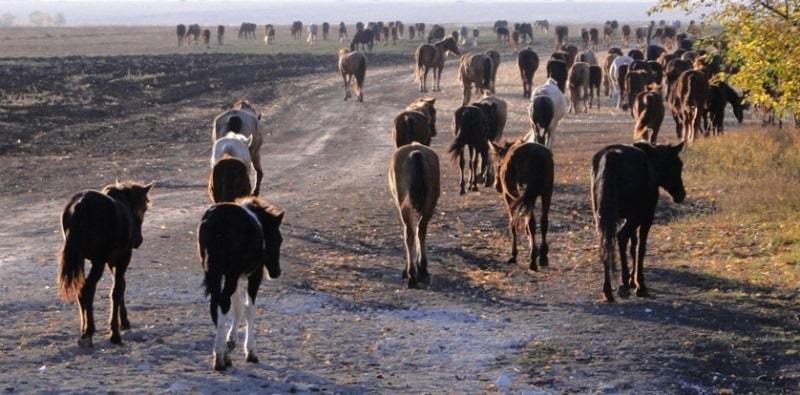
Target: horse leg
x,y
467,93
410,272
346,86
222,359
422,74
512,228
623,236
437,79
119,314
638,266
236,304
422,232
85,304
253,282
544,223
461,166
473,165
256,160
530,229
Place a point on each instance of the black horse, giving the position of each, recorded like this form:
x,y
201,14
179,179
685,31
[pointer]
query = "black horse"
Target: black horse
x,y
719,95
103,227
471,128
364,37
237,240
625,181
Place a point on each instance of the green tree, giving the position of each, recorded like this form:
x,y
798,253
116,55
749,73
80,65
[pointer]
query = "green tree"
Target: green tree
x,y
759,37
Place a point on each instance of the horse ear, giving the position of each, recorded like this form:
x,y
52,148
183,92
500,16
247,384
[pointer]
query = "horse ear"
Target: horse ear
x,y
149,186
249,140
259,116
279,217
679,147
430,100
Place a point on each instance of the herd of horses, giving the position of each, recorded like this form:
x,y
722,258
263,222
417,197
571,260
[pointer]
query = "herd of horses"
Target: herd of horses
x,y
239,234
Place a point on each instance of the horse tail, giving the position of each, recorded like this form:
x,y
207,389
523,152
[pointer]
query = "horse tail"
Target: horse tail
x,y
457,147
235,124
70,261
487,72
523,205
361,72
606,209
419,185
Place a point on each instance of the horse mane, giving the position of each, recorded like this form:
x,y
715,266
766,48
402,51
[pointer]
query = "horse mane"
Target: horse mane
x,y
123,190
343,51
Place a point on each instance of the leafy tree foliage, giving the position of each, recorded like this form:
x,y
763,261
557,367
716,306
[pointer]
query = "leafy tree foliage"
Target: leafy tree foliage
x,y
761,39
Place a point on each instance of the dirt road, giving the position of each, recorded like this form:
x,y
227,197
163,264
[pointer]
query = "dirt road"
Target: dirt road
x,y
340,319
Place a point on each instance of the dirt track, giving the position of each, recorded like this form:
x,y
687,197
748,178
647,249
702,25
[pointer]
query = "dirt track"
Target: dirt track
x,y
340,319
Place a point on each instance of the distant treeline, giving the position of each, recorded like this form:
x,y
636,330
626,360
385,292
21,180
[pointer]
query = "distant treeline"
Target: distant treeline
x,y
36,18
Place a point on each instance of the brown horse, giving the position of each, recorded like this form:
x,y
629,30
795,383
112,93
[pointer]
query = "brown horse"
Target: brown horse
x,y
103,227
525,172
243,119
431,57
353,64
528,63
648,112
689,102
228,180
181,31
414,182
492,53
475,69
471,131
416,123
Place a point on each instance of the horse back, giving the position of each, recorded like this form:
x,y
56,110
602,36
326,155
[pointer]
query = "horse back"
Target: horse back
x,y
229,180
244,119
623,185
529,164
414,178
410,126
231,240
98,224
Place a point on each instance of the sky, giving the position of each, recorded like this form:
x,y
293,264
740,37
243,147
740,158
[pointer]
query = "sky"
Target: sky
x,y
233,12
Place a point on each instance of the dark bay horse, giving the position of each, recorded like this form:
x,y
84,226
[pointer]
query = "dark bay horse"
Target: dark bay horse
x,y
625,181
416,123
243,119
237,240
103,227
475,69
525,173
431,57
528,63
181,31
471,131
648,114
719,95
229,180
365,38
690,101
353,64
414,183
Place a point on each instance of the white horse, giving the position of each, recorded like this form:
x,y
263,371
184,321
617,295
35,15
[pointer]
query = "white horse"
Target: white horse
x,y
233,144
613,72
560,105
312,34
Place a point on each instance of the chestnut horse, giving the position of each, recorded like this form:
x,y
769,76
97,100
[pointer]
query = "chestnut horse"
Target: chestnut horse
x,y
103,227
414,183
353,64
416,123
431,57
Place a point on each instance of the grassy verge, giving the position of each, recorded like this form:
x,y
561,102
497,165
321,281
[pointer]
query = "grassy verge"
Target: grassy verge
x,y
747,188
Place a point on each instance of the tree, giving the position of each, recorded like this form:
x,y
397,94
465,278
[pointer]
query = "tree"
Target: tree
x,y
759,38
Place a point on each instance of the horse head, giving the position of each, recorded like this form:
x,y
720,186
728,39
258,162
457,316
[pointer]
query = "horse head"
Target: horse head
x,y
668,167
134,196
499,152
270,218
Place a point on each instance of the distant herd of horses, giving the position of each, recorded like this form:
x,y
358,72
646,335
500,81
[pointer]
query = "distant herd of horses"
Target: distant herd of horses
x,y
239,234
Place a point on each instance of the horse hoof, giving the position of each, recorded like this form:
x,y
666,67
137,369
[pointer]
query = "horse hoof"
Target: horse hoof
x,y
219,365
608,298
533,267
544,261
624,292
251,357
642,293
231,345
125,325
512,260
116,339
85,342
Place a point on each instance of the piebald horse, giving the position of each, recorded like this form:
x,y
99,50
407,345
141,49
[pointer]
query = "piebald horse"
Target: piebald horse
x,y
242,119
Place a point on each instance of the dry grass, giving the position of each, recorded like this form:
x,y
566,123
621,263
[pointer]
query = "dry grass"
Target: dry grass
x,y
750,181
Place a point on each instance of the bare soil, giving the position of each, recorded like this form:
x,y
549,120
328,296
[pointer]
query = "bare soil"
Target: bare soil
x,y
340,320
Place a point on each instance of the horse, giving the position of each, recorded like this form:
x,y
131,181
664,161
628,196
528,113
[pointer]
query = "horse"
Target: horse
x,y
416,123
353,64
559,109
690,98
625,181
313,29
431,57
578,79
615,79
525,172
470,128
229,180
296,29
648,113
181,31
595,81
220,33
414,183
194,31
103,227
235,241
269,34
496,112
528,63
475,69
541,113
207,38
326,30
719,94
235,145
495,56
342,32
242,119
557,70
364,37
